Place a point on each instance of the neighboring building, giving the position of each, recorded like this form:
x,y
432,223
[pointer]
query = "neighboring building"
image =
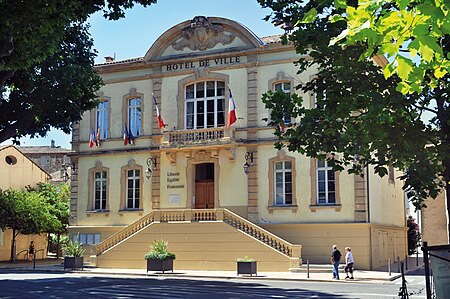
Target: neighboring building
x,y
434,221
16,172
288,208
53,159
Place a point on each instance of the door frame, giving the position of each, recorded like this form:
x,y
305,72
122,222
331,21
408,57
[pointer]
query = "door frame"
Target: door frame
x,y
190,178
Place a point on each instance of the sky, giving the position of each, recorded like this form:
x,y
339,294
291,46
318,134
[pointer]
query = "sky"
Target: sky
x,y
132,36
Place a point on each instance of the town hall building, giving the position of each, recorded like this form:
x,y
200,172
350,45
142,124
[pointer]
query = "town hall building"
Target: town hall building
x,y
157,159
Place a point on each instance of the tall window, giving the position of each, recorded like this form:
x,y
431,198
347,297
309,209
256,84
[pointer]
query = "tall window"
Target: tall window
x,y
100,190
133,188
102,119
134,115
205,105
326,183
286,88
283,183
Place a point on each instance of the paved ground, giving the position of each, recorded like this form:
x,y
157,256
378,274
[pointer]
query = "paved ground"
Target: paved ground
x,y
53,265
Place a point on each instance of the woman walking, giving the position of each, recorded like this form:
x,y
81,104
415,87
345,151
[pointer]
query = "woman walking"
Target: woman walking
x,y
348,263
31,251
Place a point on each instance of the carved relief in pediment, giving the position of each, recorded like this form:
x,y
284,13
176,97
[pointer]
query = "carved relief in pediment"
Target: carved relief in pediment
x,y
202,35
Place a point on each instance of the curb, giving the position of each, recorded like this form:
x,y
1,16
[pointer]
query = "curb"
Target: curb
x,y
184,275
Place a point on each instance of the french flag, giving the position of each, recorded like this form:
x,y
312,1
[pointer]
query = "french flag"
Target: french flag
x,y
160,120
125,136
231,110
92,138
130,137
97,140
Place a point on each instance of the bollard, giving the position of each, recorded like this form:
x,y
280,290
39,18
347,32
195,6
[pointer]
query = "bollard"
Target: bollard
x,y
307,268
398,264
417,257
389,266
34,260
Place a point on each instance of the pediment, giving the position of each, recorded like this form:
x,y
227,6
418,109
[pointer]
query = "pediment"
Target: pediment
x,y
202,36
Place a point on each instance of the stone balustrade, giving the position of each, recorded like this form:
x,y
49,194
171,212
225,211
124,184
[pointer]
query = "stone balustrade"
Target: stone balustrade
x,y
198,215
209,136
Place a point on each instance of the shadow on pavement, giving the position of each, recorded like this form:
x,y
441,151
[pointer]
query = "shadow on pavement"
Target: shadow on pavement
x,y
65,286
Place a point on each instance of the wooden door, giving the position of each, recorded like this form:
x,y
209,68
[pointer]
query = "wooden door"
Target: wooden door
x,y
204,194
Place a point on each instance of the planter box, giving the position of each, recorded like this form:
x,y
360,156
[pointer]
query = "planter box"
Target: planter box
x,y
246,268
73,262
159,265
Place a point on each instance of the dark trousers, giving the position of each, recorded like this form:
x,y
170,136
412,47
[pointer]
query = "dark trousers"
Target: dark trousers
x,y
349,268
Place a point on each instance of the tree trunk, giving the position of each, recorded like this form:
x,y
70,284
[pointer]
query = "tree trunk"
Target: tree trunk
x,y
13,244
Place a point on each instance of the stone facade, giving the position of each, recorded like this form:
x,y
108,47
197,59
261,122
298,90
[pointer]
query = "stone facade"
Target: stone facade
x,y
196,161
53,159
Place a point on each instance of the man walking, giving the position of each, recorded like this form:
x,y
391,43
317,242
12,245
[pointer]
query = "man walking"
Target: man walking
x,y
335,259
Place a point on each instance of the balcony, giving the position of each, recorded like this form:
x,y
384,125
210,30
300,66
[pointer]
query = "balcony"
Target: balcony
x,y
198,138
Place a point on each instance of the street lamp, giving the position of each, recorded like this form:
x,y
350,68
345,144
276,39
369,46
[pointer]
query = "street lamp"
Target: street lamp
x,y
65,171
248,162
151,165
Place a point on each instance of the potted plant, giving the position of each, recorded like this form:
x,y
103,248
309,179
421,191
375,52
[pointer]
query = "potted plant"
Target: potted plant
x,y
74,255
246,265
159,258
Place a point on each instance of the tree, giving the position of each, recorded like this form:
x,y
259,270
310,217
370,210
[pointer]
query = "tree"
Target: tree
x,y
361,116
25,212
46,63
58,198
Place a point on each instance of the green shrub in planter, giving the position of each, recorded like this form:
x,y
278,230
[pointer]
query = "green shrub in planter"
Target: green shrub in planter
x,y
159,251
74,255
73,249
159,258
246,265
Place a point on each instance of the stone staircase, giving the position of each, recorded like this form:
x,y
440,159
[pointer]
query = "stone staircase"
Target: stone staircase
x,y
210,239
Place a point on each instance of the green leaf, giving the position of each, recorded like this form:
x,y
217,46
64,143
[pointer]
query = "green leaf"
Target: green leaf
x,y
428,47
340,3
309,16
404,67
403,87
421,29
402,4
413,48
388,70
336,18
440,72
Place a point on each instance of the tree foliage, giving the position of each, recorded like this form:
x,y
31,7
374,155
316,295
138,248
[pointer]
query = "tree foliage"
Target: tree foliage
x,y
46,59
58,198
43,209
419,29
25,212
360,115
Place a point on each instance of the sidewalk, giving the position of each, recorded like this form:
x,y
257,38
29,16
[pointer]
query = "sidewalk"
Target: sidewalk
x,y
53,265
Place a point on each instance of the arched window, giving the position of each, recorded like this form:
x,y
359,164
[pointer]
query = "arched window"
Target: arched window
x,y
102,118
131,197
204,105
284,86
134,115
98,188
282,182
